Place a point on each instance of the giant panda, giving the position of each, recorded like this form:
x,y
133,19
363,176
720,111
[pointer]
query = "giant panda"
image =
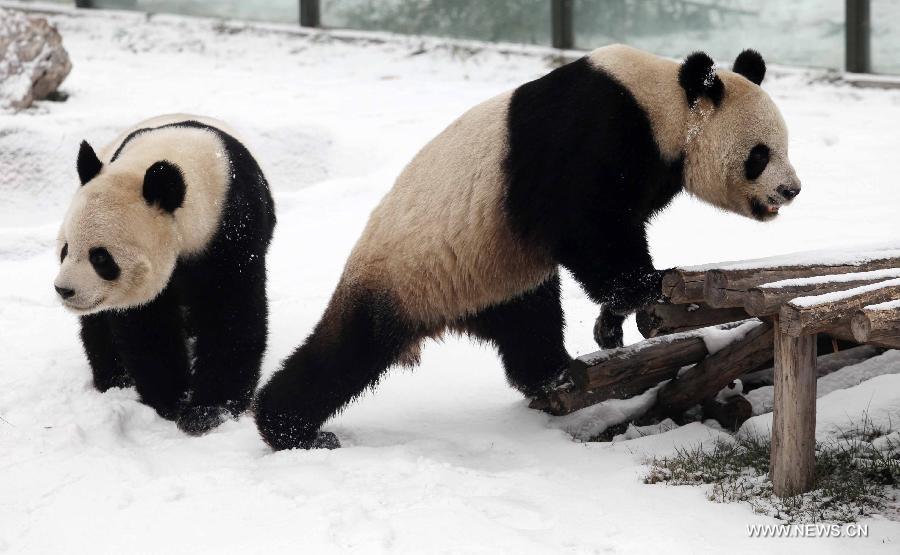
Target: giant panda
x,y
564,171
162,255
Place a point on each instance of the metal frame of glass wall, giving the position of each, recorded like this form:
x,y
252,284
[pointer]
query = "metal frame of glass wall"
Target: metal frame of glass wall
x,y
857,32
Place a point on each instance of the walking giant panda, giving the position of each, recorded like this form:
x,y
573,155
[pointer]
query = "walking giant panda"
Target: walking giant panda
x,y
162,255
564,170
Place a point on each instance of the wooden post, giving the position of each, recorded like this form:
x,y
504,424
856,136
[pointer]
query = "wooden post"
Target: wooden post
x,y
793,461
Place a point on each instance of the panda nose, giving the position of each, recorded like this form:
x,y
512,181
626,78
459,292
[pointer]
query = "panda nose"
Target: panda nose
x,y
788,192
64,292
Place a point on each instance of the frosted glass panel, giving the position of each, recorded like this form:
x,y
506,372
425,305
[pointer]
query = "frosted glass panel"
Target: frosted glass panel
x,y
282,11
885,36
801,32
525,21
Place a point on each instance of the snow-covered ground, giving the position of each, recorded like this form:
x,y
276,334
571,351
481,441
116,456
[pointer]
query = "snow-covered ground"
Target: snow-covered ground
x,y
445,458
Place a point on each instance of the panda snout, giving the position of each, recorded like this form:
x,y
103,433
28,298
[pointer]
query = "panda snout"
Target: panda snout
x,y
789,191
64,292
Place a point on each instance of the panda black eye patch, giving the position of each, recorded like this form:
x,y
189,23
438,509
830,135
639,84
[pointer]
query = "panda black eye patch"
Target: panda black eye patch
x,y
64,253
104,264
756,161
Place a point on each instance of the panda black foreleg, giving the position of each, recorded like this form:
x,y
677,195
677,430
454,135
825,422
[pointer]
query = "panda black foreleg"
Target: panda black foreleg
x,y
619,275
151,345
229,316
106,365
528,333
360,336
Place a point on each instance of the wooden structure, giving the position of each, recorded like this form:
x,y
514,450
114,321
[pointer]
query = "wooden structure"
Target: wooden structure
x,y
780,308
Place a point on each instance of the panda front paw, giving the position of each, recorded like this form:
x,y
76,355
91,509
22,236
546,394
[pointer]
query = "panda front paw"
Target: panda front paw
x,y
608,329
325,440
196,421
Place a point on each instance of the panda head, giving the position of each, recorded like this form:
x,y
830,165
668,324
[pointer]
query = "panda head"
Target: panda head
x,y
118,243
736,154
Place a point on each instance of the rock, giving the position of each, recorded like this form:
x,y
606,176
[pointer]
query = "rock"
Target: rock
x,y
33,61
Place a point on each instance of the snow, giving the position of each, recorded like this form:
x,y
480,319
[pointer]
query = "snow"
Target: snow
x,y
873,275
834,296
851,256
445,458
886,305
762,398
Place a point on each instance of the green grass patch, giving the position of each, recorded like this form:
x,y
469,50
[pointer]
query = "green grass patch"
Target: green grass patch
x,y
857,474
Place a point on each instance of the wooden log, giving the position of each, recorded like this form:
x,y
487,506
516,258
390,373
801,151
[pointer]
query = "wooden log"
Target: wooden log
x,y
767,299
844,332
715,372
792,462
724,288
825,365
683,286
730,413
876,322
806,315
628,370
666,318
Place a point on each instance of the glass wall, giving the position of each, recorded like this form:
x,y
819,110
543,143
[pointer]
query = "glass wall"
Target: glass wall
x,y
523,21
280,11
806,32
885,47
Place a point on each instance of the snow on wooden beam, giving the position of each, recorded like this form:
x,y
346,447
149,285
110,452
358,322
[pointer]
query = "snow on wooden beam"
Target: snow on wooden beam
x,y
766,299
715,372
666,318
818,313
877,322
725,288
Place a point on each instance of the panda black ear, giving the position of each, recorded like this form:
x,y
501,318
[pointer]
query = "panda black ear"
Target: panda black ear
x,y
88,164
751,65
164,186
698,78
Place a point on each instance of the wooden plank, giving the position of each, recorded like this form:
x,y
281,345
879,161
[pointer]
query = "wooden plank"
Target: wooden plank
x,y
723,288
683,286
792,463
713,373
806,315
666,318
767,299
629,370
877,322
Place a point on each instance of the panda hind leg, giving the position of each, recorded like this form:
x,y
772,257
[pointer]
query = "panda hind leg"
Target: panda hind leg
x,y
528,333
360,336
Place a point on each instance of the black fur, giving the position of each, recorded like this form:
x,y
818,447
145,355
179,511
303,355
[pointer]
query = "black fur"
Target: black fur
x,y
104,264
164,186
698,78
528,333
751,65
88,163
358,338
218,298
584,175
756,161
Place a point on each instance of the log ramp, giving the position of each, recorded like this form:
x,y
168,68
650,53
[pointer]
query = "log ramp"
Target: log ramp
x,y
755,314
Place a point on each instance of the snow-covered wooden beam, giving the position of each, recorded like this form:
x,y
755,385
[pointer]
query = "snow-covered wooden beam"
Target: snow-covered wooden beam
x,y
819,313
688,284
877,322
667,318
694,385
628,371
725,288
766,299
